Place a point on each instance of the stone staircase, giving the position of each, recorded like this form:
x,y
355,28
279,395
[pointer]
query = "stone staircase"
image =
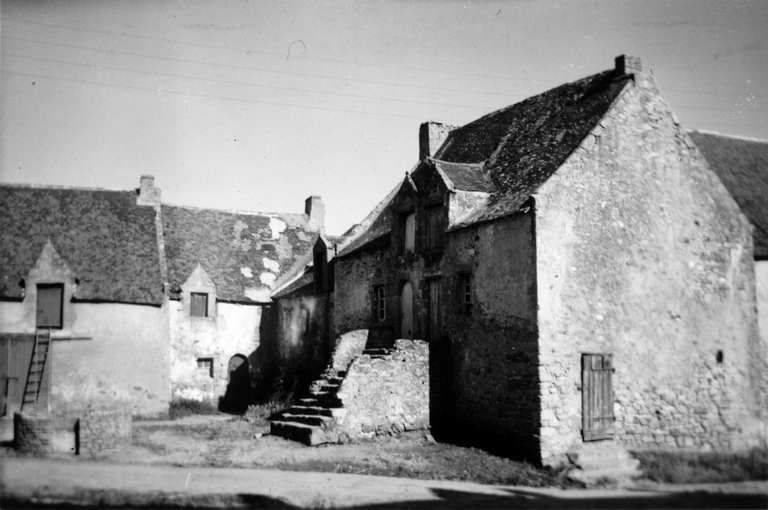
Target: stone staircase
x,y
603,462
313,419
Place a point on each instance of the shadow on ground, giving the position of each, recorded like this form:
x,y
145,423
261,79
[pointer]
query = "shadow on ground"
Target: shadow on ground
x,y
449,499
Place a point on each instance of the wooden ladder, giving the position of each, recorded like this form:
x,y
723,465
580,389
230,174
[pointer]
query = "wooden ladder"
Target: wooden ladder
x,y
37,367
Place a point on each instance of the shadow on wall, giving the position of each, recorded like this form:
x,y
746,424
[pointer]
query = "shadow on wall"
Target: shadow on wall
x,y
238,393
265,360
485,391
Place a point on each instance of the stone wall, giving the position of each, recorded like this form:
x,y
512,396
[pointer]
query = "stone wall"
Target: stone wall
x,y
302,338
235,329
387,394
655,267
348,347
96,432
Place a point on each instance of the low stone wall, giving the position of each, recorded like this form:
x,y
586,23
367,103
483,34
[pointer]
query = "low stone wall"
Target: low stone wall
x,y
387,394
104,432
94,433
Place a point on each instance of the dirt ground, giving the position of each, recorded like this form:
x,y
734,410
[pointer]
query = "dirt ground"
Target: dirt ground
x,y
199,461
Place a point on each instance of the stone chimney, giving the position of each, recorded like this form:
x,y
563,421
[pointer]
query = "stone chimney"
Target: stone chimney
x,y
628,64
148,194
315,211
431,137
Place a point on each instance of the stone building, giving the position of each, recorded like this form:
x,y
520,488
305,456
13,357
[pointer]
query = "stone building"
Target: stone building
x,y
145,302
742,165
580,273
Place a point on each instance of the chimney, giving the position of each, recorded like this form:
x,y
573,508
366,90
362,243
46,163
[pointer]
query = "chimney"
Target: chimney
x,y
148,194
431,137
628,64
315,211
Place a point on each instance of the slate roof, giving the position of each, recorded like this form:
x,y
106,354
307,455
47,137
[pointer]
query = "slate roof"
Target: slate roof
x,y
522,145
109,242
465,176
232,245
742,165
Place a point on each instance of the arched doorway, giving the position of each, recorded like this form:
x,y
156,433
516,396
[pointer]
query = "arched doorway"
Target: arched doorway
x,y
406,311
237,396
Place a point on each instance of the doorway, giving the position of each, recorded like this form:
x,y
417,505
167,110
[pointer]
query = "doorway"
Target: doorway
x,y
406,311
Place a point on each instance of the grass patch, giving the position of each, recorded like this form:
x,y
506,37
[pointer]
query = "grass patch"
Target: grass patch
x,y
262,412
704,467
185,407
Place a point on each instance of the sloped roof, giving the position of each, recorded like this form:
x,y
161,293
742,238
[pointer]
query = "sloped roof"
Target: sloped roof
x,y
241,252
742,165
109,242
524,144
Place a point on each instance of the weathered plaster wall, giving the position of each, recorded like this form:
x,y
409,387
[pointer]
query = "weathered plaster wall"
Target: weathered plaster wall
x,y
124,366
233,330
303,342
642,253
761,278
387,394
485,367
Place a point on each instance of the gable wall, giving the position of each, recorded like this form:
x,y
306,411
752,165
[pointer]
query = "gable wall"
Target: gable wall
x,y
642,253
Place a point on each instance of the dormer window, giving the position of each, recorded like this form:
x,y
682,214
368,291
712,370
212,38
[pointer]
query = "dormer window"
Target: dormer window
x,y
198,305
433,228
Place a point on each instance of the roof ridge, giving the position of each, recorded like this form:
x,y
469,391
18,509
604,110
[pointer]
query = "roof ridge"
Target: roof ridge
x,y
59,186
727,135
233,211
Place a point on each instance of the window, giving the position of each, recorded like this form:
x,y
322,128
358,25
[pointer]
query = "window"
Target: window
x,y
597,396
433,228
205,364
198,306
379,303
50,305
464,293
409,232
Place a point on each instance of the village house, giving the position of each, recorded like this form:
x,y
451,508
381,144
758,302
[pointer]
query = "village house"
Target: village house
x,y
113,300
742,165
581,274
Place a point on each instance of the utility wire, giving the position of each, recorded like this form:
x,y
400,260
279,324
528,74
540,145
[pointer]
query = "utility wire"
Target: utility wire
x,y
226,98
229,82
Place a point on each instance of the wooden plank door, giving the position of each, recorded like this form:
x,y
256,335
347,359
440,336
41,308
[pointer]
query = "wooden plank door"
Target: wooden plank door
x,y
433,320
597,396
15,354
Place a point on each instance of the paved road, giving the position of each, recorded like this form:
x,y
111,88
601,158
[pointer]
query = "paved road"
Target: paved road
x,y
103,484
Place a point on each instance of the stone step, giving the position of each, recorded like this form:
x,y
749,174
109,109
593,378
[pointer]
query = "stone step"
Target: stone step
x,y
324,422
307,434
310,410
606,475
327,388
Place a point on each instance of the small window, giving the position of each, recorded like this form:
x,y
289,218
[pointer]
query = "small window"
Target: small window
x,y
433,228
379,303
205,364
597,396
409,232
50,305
464,293
198,306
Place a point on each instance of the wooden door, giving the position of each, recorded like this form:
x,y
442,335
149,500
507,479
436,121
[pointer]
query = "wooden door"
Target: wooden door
x,y
597,396
433,321
15,354
406,311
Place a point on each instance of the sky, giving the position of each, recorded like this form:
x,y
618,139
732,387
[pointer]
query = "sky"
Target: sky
x,y
256,106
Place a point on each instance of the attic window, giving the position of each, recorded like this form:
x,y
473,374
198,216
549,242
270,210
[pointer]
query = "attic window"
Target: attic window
x,y
409,232
50,305
198,305
433,228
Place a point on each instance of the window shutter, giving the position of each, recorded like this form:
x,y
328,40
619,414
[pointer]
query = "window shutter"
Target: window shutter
x,y
50,299
597,396
198,306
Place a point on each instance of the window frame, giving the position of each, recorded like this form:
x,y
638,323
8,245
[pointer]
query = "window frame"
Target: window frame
x,y
209,366
60,311
379,303
464,302
404,220
192,296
